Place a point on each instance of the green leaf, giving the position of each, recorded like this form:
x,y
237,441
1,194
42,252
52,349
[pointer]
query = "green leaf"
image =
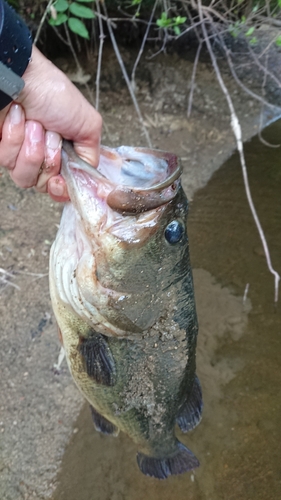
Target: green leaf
x,y
61,18
163,19
78,27
84,1
81,11
278,41
179,20
253,40
164,22
279,3
250,31
177,30
61,5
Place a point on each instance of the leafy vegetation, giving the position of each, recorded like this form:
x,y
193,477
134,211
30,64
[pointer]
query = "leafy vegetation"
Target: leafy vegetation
x,y
174,18
72,13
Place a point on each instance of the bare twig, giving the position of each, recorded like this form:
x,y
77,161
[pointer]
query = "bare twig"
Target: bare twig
x,y
264,68
6,278
261,138
246,293
238,137
78,65
142,45
192,84
42,21
269,20
4,271
235,76
101,37
61,356
127,80
60,36
262,108
36,275
8,282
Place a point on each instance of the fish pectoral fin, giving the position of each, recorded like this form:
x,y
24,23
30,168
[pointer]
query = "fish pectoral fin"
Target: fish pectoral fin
x,y
102,424
98,360
191,412
183,460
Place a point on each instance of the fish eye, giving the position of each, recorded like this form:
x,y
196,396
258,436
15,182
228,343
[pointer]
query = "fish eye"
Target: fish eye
x,y
174,232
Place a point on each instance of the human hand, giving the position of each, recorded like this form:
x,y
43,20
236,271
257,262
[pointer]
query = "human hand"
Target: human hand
x,y
31,154
29,147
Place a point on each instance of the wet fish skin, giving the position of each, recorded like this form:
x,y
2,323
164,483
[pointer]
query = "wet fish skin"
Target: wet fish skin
x,y
135,364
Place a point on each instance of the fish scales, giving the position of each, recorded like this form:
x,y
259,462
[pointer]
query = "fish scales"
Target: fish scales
x,y
122,292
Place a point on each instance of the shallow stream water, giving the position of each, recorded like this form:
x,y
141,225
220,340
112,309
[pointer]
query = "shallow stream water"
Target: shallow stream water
x,y
239,356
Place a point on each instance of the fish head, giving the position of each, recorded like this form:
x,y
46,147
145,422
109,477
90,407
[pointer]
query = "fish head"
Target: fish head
x,y
120,259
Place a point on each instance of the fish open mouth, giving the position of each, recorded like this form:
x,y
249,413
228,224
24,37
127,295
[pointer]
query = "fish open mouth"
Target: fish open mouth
x,y
135,180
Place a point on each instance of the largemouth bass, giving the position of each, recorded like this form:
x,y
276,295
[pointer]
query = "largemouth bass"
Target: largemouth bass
x,y
122,292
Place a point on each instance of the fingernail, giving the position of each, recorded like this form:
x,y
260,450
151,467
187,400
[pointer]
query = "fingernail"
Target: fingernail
x,y
34,131
53,140
16,114
56,187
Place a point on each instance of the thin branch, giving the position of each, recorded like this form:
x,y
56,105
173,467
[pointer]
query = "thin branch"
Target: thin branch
x,y
79,68
194,69
3,271
70,44
246,293
216,13
121,19
42,21
142,45
238,137
127,80
7,282
101,37
266,73
36,275
235,76
6,278
195,64
60,36
269,20
264,68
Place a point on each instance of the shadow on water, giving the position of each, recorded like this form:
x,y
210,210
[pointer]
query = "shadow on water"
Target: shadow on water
x,y
239,356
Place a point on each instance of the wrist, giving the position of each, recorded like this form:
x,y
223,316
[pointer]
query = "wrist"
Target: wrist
x,y
39,76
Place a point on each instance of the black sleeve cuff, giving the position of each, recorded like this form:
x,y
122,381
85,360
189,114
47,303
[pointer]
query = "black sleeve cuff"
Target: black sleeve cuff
x,y
15,44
